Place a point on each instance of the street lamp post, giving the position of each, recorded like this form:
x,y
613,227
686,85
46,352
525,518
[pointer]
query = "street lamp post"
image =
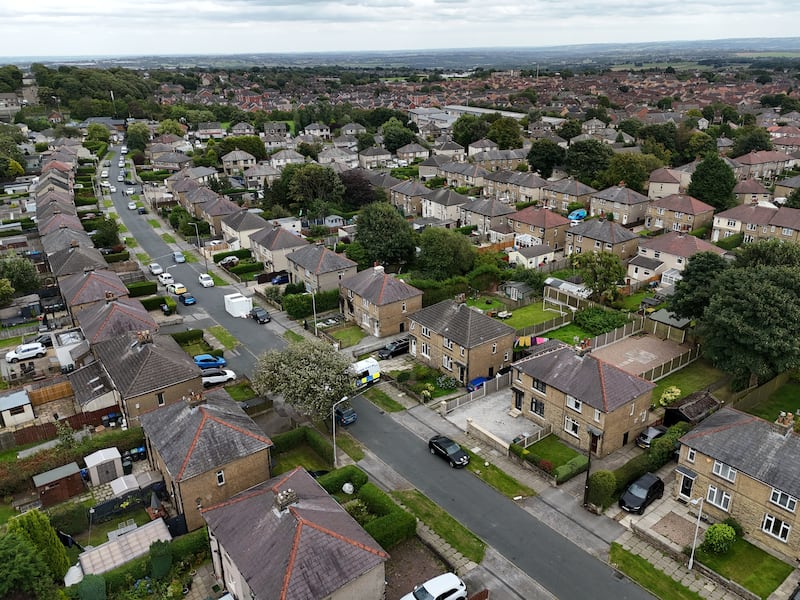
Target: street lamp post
x,y
313,306
699,503
593,433
91,515
333,416
199,248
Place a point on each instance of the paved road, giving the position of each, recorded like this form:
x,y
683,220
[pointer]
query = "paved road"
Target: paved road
x,y
563,568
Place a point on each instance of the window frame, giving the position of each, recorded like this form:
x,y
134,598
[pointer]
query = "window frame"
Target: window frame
x,y
784,528
573,403
725,498
724,471
220,475
776,496
571,426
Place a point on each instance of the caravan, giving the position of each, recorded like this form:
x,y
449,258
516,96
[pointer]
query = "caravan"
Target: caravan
x,y
365,372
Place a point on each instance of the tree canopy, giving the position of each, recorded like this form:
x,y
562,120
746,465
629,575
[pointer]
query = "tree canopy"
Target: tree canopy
x,y
601,272
396,135
20,272
443,254
385,236
587,158
36,528
544,156
632,169
693,292
313,187
506,133
23,570
713,182
751,138
138,136
468,129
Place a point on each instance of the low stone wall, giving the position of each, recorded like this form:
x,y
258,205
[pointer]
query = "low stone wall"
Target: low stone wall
x,y
486,436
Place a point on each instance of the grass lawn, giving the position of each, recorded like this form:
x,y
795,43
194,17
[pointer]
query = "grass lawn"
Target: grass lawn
x,y
421,376
218,280
749,566
131,242
348,444
486,303
123,228
195,348
240,391
292,336
348,336
497,478
191,257
553,450
531,314
691,378
450,530
786,398
634,301
108,203
154,223
168,239
6,512
300,456
224,336
568,333
12,341
646,575
383,401
100,530
143,258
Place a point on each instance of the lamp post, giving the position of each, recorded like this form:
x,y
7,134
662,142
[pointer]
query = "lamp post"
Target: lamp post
x,y
199,249
593,433
699,503
91,515
313,306
333,415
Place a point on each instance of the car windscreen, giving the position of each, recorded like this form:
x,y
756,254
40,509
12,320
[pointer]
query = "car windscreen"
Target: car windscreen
x,y
637,491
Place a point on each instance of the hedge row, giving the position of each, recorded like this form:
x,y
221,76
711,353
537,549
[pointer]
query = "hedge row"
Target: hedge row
x,y
304,435
247,267
142,288
117,257
393,524
333,481
243,253
186,337
159,175
88,201
153,303
300,306
567,471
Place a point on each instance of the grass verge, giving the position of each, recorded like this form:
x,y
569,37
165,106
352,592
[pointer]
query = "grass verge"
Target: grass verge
x,y
450,530
154,223
131,242
12,341
383,401
292,336
143,258
496,477
646,575
349,445
224,336
168,239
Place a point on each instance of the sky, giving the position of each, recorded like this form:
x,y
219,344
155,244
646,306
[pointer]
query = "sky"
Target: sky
x,y
172,27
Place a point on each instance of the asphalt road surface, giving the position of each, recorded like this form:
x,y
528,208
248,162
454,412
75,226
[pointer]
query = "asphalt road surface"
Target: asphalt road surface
x,y
560,566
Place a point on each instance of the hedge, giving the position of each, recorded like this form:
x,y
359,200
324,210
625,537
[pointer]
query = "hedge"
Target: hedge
x,y
300,306
631,471
247,267
320,444
153,303
571,468
69,517
142,288
601,488
283,442
393,524
333,481
186,337
159,175
88,201
117,257
243,253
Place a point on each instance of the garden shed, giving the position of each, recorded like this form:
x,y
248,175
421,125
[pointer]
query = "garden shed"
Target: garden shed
x,y
59,484
104,465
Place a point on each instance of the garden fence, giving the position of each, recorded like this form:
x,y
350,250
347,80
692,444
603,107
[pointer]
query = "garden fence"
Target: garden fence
x,y
620,333
493,385
673,365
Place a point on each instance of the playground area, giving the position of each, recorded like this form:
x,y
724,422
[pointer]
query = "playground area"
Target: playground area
x,y
638,354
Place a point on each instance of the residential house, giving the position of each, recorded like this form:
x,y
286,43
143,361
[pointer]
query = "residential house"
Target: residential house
x,y
678,212
495,160
445,205
531,257
353,129
481,145
236,228
318,130
763,164
75,259
672,252
171,161
280,128
460,341
208,450
664,182
208,130
751,191
784,225
260,176
534,225
338,156
65,238
487,214
459,174
599,235
374,157
429,168
273,142
411,152
236,162
377,302
453,150
243,128
587,402
272,244
783,187
407,196
513,186
315,549
624,204
82,290
286,157
558,195
743,467
214,211
318,268
747,219
113,318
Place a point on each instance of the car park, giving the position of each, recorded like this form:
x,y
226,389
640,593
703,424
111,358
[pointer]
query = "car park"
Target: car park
x,y
165,278
229,261
155,268
26,351
345,415
178,257
187,299
443,446
442,587
641,493
205,280
214,376
131,205
209,361
280,279
476,384
176,288
644,439
260,315
395,348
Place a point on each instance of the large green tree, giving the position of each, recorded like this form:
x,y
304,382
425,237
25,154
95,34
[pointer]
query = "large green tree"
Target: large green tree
x,y
310,375
632,169
251,144
444,254
587,158
713,182
98,133
137,136
506,133
23,571
21,273
569,129
602,272
396,135
544,156
36,527
748,139
172,126
697,285
385,236
314,185
468,129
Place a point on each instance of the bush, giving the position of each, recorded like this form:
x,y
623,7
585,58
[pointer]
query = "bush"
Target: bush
x,y
142,288
597,320
376,500
69,517
601,488
299,306
403,376
320,444
187,337
92,587
160,559
737,527
333,481
663,449
289,440
247,267
172,304
631,471
392,529
117,257
718,539
159,175
294,288
729,243
153,303
571,468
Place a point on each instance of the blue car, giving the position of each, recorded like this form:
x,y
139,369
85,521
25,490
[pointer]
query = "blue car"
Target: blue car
x,y
187,299
476,384
208,361
279,279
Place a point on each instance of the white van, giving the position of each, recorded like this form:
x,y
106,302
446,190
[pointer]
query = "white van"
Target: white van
x,y
365,372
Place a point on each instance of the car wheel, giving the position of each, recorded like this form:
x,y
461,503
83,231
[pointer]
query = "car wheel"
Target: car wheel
x,y
431,449
452,465
640,511
40,355
14,360
206,385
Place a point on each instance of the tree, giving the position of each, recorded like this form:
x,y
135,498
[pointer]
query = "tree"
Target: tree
x,y
630,126
505,132
544,155
358,191
768,253
601,272
586,158
387,238
697,285
20,272
167,126
106,233
444,253
569,129
138,136
468,129
309,150
749,139
396,135
633,169
36,527
6,292
23,570
793,199
252,144
700,144
365,140
97,133
310,375
713,182
312,184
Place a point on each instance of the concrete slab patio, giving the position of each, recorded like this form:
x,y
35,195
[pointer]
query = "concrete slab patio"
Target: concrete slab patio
x,y
639,353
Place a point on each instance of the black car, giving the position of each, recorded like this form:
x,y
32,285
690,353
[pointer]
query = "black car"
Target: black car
x,y
260,315
641,493
395,348
448,450
345,415
644,439
45,340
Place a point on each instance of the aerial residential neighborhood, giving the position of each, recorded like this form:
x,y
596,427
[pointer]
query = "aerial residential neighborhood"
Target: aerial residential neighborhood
x,y
246,310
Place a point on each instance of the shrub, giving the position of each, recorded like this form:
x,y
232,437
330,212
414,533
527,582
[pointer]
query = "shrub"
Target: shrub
x,y
92,587
669,395
283,442
597,320
319,444
160,559
171,303
333,481
663,449
631,471
247,267
392,529
601,488
718,539
117,257
152,303
142,288
358,510
445,382
571,468
403,376
737,527
69,517
377,501
187,337
294,288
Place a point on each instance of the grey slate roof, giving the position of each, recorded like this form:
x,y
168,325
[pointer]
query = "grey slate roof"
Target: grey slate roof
x,y
604,231
194,439
106,320
488,207
277,238
379,287
91,286
750,445
621,194
461,324
89,382
314,546
75,260
318,259
65,238
244,220
447,197
645,262
599,384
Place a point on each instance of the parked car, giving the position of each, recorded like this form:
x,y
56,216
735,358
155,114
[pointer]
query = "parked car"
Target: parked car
x,y
644,439
44,339
104,174
641,493
345,415
476,384
205,280
260,315
280,279
443,587
120,178
187,299
130,191
229,261
26,351
155,268
112,188
448,450
176,288
131,205
214,376
141,210
165,278
209,361
395,348
178,257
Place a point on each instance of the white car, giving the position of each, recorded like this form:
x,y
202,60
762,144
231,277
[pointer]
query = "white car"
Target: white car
x,y
131,205
104,174
205,280
214,376
165,278
155,269
130,191
120,177
112,188
104,184
447,586
121,164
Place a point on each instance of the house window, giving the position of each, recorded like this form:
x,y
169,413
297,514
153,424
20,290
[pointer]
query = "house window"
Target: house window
x,y
447,343
732,223
505,356
659,211
719,498
17,410
539,386
350,294
160,398
404,307
597,415
220,477
678,215
447,362
341,274
494,348
574,403
463,351
752,227
691,453
775,527
608,247
724,471
783,500
598,244
656,254
571,426
786,231
425,350
426,332
537,407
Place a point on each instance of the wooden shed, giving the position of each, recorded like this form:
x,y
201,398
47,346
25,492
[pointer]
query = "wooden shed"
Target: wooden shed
x,y
104,465
59,484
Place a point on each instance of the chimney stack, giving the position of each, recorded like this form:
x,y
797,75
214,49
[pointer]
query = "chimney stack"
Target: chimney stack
x,y
285,499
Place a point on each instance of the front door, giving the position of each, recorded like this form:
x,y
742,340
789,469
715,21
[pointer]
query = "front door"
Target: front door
x,y
686,486
518,396
625,438
594,443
